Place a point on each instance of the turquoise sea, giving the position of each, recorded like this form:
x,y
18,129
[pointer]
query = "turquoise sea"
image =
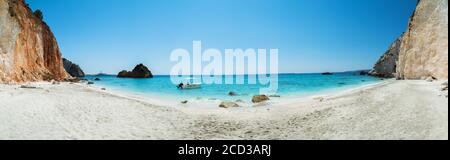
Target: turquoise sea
x,y
289,85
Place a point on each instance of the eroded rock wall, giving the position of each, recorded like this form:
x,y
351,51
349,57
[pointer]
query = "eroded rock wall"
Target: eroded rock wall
x,y
424,48
73,69
387,65
28,49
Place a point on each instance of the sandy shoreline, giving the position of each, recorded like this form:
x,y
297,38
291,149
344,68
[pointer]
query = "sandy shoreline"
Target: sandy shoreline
x,y
212,103
387,110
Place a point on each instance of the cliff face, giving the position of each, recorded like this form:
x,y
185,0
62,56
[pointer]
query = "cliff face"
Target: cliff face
x,y
424,50
73,69
28,49
387,65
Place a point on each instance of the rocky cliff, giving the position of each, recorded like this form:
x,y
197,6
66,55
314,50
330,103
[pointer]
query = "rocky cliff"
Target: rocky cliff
x,y
73,69
423,48
28,49
387,65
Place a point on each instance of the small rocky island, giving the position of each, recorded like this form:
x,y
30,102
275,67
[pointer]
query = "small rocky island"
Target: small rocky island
x,y
140,71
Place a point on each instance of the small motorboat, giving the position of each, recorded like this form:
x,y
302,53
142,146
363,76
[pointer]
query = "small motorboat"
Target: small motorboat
x,y
189,84
192,86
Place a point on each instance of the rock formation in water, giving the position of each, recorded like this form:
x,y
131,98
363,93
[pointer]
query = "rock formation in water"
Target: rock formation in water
x,y
140,71
73,69
423,49
327,73
28,49
387,65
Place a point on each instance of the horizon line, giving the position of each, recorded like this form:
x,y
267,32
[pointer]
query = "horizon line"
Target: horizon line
x,y
283,73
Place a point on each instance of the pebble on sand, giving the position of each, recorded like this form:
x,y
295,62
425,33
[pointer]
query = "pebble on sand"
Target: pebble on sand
x,y
260,98
228,104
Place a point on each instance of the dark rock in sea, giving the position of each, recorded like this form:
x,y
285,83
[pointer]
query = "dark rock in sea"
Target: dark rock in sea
x,y
184,102
260,98
90,83
364,73
327,73
140,71
232,94
97,79
73,69
342,83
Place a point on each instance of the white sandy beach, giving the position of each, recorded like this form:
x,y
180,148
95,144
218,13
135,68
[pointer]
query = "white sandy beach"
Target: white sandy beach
x,y
388,110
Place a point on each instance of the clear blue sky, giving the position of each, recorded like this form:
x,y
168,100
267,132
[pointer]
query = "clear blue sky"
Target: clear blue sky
x,y
311,35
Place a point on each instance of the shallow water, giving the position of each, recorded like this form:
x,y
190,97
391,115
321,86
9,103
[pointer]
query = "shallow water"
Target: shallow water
x,y
289,85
